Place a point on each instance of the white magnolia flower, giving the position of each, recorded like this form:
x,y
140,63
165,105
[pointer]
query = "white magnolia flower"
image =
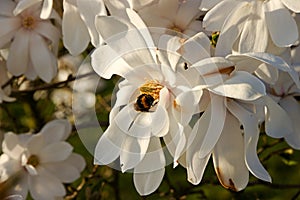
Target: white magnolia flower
x,y
148,105
78,24
4,92
30,39
43,161
24,4
230,101
251,24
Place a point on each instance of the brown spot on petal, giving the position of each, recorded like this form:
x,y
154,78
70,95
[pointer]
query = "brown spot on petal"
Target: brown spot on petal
x,y
176,106
228,185
227,70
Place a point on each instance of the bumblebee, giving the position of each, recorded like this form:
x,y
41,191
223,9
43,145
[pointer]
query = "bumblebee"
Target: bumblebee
x,y
149,96
144,102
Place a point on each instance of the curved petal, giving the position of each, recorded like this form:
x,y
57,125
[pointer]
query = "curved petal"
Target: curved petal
x,y
43,60
11,146
76,160
277,123
55,152
65,172
292,5
46,9
254,36
215,127
109,145
56,130
280,22
229,163
133,150
88,10
241,85
154,152
24,4
75,35
215,18
208,4
106,62
251,135
20,49
292,108
45,186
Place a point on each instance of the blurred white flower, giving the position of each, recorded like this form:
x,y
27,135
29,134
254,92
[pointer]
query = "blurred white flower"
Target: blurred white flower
x,y
78,24
24,4
43,161
251,24
30,39
4,92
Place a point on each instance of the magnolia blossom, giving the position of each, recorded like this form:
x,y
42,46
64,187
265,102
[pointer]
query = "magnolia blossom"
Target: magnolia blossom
x,y
174,15
42,161
4,92
251,24
24,4
78,24
149,104
31,40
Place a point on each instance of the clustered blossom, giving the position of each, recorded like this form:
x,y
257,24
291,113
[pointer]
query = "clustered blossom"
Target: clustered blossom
x,y
182,90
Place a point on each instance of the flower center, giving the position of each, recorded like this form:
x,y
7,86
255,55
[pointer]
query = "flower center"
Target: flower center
x,y
28,22
149,96
33,160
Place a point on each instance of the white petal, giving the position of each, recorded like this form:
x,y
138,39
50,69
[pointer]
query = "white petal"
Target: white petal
x,y
9,25
133,151
214,20
232,28
45,186
36,144
65,172
112,25
75,35
254,36
147,183
76,160
269,59
24,4
46,9
195,48
44,62
215,127
267,73
251,135
280,22
56,130
196,165
292,108
55,152
228,156
186,105
241,85
106,62
11,146
19,48
154,152
109,146
88,10
277,123
208,4
293,5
